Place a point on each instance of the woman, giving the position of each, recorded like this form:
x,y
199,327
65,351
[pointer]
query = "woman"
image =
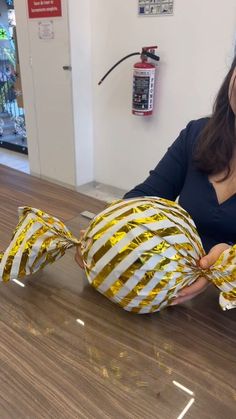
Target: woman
x,y
200,168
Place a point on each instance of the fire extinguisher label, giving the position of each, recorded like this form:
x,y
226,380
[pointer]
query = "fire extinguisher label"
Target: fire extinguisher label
x,y
143,89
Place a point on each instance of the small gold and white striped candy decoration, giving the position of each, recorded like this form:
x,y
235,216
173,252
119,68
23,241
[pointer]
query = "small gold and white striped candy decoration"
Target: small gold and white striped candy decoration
x,y
140,252
39,239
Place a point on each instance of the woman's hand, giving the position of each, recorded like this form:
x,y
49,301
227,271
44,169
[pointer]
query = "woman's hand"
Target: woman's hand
x,y
78,254
201,283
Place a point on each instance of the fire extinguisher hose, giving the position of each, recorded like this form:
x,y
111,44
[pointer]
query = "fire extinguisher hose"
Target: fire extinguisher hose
x,y
147,53
115,65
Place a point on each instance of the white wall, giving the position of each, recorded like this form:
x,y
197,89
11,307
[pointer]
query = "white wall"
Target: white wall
x,y
80,37
109,144
195,46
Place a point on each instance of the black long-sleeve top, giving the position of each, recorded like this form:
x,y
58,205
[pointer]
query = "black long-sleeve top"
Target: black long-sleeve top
x,y
176,175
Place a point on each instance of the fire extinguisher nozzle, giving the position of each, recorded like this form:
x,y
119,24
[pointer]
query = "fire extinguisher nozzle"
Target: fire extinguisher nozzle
x,y
152,56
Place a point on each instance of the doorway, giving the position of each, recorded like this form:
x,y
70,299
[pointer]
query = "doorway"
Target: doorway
x,y
13,138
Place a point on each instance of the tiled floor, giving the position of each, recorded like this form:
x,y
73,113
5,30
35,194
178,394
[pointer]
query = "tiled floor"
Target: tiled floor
x,y
100,191
14,160
97,190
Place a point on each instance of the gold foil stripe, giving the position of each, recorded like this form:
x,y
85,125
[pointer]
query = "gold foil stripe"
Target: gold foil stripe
x,y
129,246
153,294
47,223
126,226
174,209
113,211
231,295
52,223
18,227
181,213
127,300
118,236
101,277
109,225
170,293
128,273
28,249
124,204
231,260
13,250
43,249
220,281
192,239
116,219
168,276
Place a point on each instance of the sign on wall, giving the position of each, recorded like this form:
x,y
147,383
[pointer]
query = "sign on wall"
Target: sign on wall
x,y
155,7
46,30
44,8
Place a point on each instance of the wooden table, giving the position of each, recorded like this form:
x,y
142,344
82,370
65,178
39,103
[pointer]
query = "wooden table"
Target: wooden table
x,y
68,352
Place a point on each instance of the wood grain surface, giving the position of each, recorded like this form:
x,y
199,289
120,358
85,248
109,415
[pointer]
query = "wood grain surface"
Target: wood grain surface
x,y
68,352
19,189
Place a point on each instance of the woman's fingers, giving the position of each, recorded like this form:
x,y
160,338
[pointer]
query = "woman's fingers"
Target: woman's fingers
x,y
199,285
81,234
192,291
78,257
214,254
180,300
78,254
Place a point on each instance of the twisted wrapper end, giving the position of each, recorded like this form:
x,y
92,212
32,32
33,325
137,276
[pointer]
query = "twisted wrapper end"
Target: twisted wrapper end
x,y
225,303
223,276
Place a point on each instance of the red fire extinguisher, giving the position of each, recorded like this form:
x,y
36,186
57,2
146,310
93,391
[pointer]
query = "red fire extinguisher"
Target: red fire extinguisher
x,y
144,73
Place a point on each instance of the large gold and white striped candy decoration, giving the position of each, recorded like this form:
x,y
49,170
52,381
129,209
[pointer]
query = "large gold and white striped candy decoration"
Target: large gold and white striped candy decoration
x,y
140,252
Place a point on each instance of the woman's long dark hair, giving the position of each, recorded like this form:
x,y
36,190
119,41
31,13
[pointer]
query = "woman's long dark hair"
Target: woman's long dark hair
x,y
217,141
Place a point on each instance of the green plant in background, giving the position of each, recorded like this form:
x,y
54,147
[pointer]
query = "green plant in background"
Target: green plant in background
x,y
3,34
